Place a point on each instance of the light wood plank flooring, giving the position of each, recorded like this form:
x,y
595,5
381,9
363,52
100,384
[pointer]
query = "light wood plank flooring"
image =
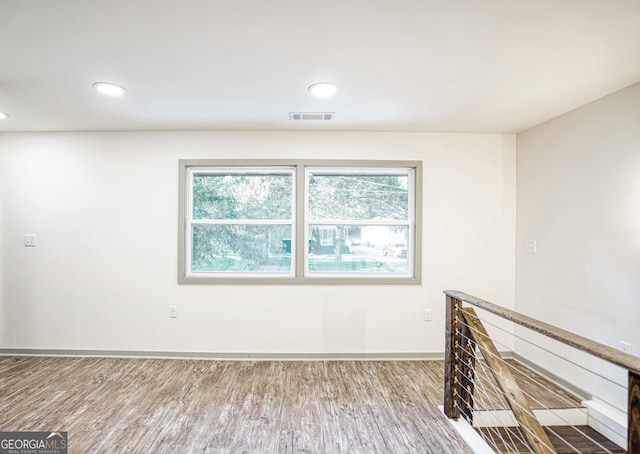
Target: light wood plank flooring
x,y
187,406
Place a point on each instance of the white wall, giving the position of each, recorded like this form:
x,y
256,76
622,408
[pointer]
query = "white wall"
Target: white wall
x,y
104,207
3,315
578,186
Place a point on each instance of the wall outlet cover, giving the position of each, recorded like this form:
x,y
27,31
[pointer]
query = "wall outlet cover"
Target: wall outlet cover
x,y
30,240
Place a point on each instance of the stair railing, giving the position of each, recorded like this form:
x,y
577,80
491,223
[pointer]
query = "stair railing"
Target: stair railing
x,y
465,334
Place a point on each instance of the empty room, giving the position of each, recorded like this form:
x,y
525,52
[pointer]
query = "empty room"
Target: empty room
x,y
320,227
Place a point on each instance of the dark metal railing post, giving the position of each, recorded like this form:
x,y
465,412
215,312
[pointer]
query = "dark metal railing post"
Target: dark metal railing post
x,y
633,414
452,372
467,372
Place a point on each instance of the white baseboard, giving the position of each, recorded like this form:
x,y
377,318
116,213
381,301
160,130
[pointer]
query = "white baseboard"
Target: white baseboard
x,y
472,439
413,356
609,421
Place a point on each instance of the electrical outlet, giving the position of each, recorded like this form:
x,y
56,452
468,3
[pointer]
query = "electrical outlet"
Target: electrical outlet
x,y
530,246
625,346
172,312
427,315
30,241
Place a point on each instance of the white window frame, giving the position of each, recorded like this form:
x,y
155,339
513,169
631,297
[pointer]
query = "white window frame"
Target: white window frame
x,y
191,222
300,225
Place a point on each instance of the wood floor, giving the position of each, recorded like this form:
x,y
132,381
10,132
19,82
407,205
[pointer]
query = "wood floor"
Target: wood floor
x,y
565,440
188,406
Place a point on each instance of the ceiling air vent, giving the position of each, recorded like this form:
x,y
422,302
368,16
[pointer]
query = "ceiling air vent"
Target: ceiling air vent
x,y
311,115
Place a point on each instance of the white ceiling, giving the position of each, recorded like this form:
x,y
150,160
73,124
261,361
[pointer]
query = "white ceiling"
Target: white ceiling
x,y
402,65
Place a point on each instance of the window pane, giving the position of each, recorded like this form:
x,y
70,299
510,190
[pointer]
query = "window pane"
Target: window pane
x,y
358,249
241,248
355,196
242,196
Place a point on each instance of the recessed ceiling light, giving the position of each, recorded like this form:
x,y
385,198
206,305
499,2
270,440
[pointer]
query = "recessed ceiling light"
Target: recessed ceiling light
x,y
109,89
323,89
3,115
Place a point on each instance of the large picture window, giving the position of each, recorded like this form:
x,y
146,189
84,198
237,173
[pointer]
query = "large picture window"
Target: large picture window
x,y
299,222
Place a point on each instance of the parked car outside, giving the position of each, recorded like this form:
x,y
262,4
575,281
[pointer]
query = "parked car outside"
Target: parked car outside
x,y
395,250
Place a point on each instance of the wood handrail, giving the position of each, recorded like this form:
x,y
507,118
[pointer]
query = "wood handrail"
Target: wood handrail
x,y
625,360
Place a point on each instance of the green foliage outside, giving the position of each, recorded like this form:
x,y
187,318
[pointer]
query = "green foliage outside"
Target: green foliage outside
x,y
351,264
241,247
358,197
222,246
